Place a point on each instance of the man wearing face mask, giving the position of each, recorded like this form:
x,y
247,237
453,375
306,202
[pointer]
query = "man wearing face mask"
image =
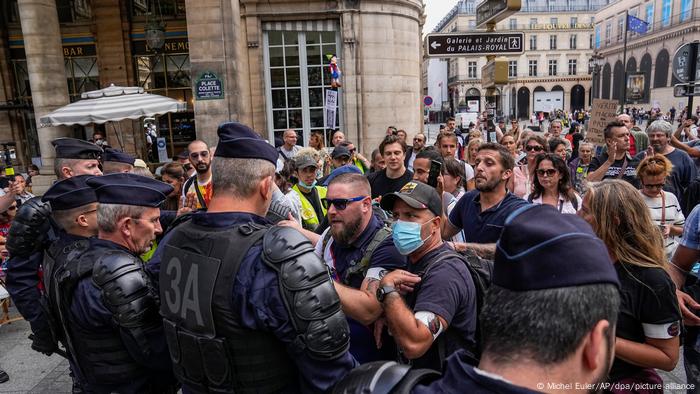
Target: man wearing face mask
x,y
310,194
247,305
438,313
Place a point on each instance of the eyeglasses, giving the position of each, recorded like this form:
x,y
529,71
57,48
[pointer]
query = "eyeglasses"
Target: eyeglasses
x,y
655,186
536,148
340,203
548,172
204,154
352,150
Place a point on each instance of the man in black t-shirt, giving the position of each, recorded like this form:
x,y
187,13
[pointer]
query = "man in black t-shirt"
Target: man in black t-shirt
x,y
618,165
395,175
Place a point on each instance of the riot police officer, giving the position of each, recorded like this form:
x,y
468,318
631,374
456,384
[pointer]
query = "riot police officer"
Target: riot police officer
x,y
248,307
32,231
106,304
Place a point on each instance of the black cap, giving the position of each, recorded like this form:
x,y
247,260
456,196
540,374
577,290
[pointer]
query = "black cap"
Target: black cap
x,y
185,154
346,169
541,248
303,161
70,193
118,156
238,141
129,189
72,148
340,151
416,195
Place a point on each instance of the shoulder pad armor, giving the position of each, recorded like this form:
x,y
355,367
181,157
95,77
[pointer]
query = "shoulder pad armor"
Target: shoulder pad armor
x,y
126,289
308,292
29,228
283,243
377,377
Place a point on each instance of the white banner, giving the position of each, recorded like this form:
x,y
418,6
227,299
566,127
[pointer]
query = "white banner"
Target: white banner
x,y
162,151
331,108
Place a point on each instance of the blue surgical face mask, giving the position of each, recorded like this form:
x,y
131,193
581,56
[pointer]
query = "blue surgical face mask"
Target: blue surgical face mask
x,y
304,185
406,236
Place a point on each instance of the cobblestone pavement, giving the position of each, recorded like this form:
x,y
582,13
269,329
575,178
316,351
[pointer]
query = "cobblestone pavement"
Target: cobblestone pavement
x,y
32,372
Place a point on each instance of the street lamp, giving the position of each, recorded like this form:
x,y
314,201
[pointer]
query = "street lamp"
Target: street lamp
x,y
594,65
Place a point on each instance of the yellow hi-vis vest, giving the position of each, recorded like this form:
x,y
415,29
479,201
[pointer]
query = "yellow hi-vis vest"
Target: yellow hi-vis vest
x,y
309,219
358,163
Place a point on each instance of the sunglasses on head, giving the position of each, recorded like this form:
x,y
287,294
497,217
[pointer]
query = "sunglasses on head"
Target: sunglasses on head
x,y
549,172
536,148
340,203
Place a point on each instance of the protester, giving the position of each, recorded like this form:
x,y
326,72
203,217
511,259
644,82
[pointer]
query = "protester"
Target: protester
x,y
356,157
578,167
378,163
316,141
6,218
637,136
664,207
395,175
340,156
338,137
616,162
402,135
412,151
552,185
558,147
174,175
200,183
524,174
453,178
22,195
472,149
309,192
448,144
509,142
649,320
32,171
290,148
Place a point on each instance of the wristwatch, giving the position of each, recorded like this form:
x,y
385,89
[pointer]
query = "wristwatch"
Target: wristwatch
x,y
383,291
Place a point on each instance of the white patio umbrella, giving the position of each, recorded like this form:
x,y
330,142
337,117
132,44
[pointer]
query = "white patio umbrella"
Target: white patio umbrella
x,y
112,104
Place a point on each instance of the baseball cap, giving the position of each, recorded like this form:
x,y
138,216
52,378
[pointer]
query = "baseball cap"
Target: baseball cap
x,y
416,195
303,161
340,151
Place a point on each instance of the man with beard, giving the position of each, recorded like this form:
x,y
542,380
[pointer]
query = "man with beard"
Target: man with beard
x,y
482,212
684,170
106,303
200,158
548,320
358,249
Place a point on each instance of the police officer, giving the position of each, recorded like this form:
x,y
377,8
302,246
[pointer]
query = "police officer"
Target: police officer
x,y
246,306
549,316
30,234
74,212
114,161
106,304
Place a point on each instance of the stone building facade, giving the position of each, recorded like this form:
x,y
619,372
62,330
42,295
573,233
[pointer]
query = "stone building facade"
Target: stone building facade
x,y
672,23
557,48
270,59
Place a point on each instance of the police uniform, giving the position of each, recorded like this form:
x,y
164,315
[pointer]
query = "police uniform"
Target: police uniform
x,y
107,306
248,307
118,156
538,249
29,236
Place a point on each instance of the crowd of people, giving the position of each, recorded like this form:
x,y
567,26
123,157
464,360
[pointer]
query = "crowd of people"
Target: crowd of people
x,y
519,265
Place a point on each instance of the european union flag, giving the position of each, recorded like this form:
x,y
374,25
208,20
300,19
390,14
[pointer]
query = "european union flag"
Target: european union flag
x,y
636,25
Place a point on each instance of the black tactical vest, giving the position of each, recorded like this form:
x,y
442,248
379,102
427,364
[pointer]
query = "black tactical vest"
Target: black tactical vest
x,y
100,355
209,350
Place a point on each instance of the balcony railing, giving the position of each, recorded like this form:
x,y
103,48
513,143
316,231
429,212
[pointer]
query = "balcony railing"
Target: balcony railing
x,y
684,18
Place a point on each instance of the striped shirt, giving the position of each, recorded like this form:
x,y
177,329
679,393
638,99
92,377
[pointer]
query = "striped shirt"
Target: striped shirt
x,y
674,216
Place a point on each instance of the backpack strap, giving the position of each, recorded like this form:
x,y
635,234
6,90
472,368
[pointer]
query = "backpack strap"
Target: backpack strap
x,y
379,237
192,180
279,150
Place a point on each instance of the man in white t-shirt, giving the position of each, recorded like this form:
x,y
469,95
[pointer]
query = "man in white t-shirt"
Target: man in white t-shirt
x,y
289,149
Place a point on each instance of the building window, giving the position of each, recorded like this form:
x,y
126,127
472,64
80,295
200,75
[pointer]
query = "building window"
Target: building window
x,y
554,21
666,8
573,21
172,8
533,42
296,68
471,70
620,27
73,11
512,68
533,23
650,15
471,24
608,33
552,67
572,66
532,68
572,41
686,6
552,42
82,74
512,23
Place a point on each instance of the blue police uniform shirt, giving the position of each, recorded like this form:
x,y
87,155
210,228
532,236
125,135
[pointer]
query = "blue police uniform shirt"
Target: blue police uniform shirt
x,y
89,312
362,344
460,377
482,227
258,305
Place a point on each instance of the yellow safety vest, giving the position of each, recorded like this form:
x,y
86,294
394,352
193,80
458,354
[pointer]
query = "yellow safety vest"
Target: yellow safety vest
x,y
309,219
358,164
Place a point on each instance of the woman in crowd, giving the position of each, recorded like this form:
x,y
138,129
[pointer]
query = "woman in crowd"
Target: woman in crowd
x,y
558,146
523,175
6,219
508,140
174,175
472,149
316,142
33,170
552,185
664,208
579,167
453,177
24,195
649,320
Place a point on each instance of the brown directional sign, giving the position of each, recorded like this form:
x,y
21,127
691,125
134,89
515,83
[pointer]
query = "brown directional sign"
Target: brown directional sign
x,y
495,72
459,44
494,11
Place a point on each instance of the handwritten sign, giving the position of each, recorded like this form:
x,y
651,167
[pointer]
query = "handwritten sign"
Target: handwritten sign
x,y
331,108
602,113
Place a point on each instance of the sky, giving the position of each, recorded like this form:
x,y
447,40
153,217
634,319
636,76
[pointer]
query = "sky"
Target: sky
x,y
435,10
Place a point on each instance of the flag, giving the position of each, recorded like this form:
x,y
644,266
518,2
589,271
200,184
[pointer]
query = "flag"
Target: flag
x,y
636,25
